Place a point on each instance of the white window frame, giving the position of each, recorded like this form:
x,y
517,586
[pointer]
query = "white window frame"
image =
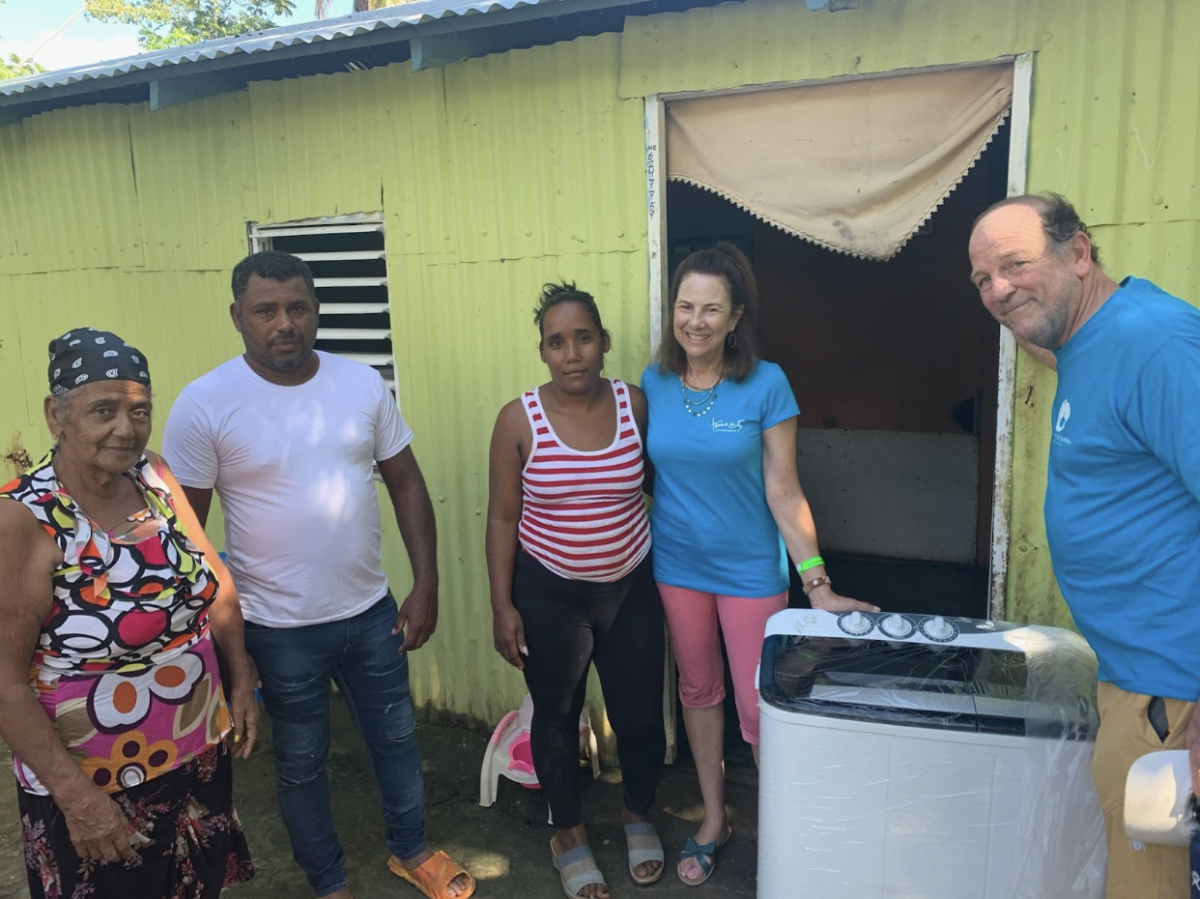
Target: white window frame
x,y
261,237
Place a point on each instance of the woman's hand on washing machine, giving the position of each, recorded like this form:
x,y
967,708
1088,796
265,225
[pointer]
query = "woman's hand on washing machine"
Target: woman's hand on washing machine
x,y
824,598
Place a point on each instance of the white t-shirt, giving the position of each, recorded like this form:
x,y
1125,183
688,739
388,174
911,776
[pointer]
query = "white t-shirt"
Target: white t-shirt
x,y
292,467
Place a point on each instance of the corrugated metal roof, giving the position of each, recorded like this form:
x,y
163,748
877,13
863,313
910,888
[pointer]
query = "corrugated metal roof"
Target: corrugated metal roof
x,y
407,15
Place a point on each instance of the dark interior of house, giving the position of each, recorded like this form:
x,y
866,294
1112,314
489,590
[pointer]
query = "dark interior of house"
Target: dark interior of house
x,y
894,366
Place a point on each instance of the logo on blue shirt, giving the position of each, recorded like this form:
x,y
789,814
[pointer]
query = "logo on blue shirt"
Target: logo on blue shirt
x,y
727,427
1064,415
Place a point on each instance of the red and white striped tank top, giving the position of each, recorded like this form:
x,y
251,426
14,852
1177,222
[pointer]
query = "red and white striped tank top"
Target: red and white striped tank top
x,y
583,515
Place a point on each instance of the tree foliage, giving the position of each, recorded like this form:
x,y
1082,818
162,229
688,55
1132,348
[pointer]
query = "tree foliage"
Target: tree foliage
x,y
15,67
324,7
172,23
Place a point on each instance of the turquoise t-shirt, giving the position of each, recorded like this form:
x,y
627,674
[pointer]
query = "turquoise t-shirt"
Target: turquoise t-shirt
x,y
711,527
1123,489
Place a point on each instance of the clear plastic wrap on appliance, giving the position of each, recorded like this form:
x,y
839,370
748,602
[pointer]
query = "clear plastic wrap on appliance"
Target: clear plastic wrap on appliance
x,y
1067,854
920,818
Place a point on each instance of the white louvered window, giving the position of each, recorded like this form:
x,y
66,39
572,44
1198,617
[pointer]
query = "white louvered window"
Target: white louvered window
x,y
348,261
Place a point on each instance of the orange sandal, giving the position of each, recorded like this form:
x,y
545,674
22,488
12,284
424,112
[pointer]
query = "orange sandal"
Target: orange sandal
x,y
433,876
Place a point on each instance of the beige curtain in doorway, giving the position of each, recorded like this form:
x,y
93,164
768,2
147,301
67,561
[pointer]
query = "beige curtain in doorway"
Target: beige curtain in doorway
x,y
855,166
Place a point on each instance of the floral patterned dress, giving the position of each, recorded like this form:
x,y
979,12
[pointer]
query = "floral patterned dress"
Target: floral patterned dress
x,y
126,669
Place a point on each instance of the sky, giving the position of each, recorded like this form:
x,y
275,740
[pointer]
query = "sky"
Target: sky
x,y
26,24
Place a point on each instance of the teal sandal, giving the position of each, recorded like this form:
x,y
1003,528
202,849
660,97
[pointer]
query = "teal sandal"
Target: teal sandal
x,y
644,845
705,855
576,869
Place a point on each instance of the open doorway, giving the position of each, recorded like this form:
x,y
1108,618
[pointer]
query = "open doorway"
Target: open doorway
x,y
896,369
894,365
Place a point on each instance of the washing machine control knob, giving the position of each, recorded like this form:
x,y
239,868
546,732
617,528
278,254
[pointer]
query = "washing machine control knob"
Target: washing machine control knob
x,y
855,623
939,629
896,626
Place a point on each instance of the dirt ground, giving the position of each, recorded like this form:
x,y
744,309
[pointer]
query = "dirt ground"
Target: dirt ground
x,y
505,846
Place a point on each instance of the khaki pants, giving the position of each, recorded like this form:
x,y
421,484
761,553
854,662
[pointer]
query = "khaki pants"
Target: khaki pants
x,y
1135,871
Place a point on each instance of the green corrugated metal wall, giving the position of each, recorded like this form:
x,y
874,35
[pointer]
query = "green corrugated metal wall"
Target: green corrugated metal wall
x,y
500,173
495,176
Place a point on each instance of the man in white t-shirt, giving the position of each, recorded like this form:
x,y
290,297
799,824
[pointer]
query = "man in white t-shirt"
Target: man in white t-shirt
x,y
287,436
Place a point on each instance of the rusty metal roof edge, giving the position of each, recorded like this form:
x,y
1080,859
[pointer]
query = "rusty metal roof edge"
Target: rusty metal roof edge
x,y
404,19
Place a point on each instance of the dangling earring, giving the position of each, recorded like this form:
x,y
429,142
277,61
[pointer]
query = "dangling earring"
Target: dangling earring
x,y
731,340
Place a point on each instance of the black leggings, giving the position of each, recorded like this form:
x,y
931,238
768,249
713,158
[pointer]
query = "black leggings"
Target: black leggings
x,y
568,625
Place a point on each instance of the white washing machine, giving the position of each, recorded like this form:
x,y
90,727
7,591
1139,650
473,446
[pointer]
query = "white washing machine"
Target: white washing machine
x,y
921,757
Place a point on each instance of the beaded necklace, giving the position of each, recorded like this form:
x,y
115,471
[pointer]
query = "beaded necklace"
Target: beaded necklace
x,y
698,408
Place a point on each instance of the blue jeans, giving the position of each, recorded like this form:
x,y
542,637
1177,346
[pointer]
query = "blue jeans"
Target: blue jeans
x,y
362,656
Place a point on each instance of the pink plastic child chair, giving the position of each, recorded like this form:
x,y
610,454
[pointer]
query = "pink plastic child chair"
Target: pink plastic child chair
x,y
509,752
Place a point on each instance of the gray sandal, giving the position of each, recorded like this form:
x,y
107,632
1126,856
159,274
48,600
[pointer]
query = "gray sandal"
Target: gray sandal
x,y
642,841
577,869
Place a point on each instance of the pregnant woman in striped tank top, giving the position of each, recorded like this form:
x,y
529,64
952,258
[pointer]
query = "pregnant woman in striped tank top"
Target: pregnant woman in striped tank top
x,y
568,552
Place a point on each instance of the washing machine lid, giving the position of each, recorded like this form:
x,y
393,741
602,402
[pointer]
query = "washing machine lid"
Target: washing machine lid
x,y
965,688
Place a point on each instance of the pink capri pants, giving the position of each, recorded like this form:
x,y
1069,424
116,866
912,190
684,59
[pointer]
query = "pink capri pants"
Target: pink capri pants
x,y
695,621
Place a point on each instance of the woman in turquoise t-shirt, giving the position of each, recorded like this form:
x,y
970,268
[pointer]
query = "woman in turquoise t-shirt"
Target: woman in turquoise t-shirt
x,y
727,501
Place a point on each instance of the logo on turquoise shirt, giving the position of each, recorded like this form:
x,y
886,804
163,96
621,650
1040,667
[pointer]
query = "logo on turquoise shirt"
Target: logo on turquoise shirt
x,y
1064,415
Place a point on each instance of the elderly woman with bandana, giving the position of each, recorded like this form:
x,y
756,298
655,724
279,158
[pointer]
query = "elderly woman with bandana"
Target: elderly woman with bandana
x,y
110,695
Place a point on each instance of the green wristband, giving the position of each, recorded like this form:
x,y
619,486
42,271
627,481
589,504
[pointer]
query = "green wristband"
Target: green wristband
x,y
809,563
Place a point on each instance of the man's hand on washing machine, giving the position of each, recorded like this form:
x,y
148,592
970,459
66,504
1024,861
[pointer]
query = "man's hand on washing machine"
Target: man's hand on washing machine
x,y
1192,739
824,598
